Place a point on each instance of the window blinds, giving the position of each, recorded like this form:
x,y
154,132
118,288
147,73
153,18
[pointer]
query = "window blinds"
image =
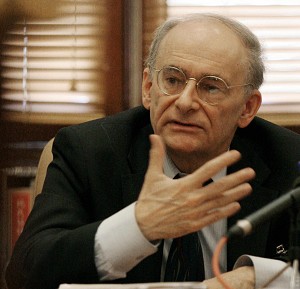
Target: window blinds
x,y
277,25
154,13
53,70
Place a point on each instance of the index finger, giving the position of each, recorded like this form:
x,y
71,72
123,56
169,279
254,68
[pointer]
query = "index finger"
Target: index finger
x,y
212,167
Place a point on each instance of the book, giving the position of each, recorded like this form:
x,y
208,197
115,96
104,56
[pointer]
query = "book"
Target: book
x,y
17,200
20,207
15,205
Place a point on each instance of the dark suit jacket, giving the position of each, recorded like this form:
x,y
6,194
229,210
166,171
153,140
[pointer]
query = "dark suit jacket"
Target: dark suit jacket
x,y
98,169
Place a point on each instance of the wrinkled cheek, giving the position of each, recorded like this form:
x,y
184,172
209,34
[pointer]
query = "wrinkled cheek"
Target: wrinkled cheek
x,y
225,131
157,122
159,111
153,120
155,102
156,119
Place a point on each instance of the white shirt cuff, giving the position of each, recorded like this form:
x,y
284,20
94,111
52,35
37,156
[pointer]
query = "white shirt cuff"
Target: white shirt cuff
x,y
120,245
265,269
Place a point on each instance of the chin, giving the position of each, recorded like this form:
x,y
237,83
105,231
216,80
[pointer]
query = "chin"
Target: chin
x,y
184,147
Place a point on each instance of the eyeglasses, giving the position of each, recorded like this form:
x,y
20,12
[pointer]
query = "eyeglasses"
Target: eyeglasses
x,y
211,89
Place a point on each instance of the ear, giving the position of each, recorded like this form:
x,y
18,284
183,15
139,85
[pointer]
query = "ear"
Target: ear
x,y
146,87
250,108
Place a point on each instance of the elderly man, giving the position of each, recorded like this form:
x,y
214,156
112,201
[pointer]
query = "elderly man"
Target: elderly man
x,y
110,211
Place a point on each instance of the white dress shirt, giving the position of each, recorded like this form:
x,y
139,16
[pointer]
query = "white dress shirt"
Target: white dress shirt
x,y
120,245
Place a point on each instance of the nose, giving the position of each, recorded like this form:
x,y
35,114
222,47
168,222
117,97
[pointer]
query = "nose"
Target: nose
x,y
188,99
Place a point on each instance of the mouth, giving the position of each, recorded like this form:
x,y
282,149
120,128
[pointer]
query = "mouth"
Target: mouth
x,y
184,125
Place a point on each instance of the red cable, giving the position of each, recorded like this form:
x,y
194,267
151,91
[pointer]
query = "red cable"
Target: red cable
x,y
215,262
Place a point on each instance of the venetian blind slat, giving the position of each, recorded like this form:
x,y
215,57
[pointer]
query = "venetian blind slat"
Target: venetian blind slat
x,y
57,65
277,25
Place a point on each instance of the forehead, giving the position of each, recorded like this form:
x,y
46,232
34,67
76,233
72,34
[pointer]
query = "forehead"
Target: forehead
x,y
197,46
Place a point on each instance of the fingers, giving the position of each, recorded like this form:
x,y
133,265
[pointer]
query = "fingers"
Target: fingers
x,y
220,213
220,199
204,211
214,166
228,183
168,208
225,198
157,154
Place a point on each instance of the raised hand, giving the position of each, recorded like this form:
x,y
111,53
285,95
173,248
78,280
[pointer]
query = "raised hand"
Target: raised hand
x,y
169,208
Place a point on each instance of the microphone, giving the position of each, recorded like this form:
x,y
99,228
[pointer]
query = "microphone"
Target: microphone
x,y
246,226
296,182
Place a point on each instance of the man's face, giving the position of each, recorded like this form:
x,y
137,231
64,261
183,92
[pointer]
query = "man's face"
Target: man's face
x,y
187,124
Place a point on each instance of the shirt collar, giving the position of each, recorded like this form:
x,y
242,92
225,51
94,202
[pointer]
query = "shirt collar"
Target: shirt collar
x,y
171,170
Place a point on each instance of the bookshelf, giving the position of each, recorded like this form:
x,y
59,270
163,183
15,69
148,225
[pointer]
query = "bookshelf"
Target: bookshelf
x,y
21,145
16,200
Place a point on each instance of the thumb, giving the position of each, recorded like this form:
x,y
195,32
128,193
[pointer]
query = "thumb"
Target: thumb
x,y
157,154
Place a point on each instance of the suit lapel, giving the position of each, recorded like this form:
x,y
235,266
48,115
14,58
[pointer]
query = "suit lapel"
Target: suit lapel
x,y
138,158
260,193
132,185
256,243
149,269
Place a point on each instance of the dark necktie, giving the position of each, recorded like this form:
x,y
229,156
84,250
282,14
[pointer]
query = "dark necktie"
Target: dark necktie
x,y
185,259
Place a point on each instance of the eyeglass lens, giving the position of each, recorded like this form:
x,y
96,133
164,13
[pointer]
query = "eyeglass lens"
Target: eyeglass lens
x,y
172,80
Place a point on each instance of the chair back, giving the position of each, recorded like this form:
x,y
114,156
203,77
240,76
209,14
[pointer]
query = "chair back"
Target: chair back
x,y
45,160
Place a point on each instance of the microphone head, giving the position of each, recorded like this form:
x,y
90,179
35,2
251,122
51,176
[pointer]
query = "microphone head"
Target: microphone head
x,y
296,183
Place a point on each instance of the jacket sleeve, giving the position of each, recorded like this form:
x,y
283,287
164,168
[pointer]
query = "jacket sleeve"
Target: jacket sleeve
x,y
57,243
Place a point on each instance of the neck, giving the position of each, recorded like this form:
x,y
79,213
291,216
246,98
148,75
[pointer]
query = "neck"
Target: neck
x,y
188,163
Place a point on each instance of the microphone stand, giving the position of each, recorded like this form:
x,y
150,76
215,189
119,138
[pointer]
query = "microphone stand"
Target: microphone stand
x,y
294,250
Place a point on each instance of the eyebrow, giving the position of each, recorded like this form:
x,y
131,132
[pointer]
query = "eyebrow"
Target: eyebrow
x,y
198,78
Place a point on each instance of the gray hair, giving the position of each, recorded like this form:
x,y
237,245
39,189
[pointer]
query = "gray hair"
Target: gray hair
x,y
256,67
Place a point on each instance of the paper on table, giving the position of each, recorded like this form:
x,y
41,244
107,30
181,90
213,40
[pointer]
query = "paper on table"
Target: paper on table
x,y
159,285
